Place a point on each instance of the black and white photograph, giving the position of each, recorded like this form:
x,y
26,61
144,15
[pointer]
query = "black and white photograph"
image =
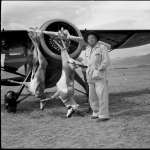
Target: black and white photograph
x,y
75,74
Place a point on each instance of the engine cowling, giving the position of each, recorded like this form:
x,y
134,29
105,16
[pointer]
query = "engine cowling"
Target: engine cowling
x,y
50,48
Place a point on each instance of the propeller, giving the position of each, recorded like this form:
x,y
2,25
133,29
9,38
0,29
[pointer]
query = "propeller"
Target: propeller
x,y
59,34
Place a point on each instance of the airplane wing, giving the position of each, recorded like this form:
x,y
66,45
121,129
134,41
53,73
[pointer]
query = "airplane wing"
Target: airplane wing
x,y
116,38
122,38
13,38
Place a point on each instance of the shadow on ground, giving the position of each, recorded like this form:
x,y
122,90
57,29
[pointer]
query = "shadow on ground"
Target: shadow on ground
x,y
118,105
131,93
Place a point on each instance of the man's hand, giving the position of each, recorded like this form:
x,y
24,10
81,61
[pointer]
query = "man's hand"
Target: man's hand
x,y
77,63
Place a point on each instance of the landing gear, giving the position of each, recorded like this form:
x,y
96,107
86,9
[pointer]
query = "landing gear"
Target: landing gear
x,y
10,101
11,97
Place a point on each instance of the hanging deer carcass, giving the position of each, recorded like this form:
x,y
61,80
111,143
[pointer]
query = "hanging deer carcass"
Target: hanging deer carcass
x,y
65,85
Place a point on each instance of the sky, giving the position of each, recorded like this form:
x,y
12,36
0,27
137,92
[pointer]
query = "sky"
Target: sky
x,y
84,14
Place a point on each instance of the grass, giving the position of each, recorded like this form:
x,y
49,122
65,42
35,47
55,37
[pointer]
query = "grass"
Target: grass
x,y
129,126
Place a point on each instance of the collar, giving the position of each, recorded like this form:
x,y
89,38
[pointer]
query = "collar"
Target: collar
x,y
97,45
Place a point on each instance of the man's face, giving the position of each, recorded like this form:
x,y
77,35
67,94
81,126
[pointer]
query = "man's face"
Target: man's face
x,y
91,40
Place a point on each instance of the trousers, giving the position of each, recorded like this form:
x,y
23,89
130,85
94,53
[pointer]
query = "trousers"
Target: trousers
x,y
98,98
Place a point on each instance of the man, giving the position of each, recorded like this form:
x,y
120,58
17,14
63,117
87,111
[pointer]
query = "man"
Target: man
x,y
97,59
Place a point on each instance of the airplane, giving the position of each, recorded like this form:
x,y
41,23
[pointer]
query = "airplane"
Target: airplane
x,y
17,50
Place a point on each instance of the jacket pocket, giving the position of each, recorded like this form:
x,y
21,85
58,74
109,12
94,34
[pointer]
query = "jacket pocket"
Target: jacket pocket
x,y
97,75
89,73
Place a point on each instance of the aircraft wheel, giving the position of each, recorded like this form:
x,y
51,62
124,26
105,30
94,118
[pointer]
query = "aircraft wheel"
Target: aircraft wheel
x,y
10,101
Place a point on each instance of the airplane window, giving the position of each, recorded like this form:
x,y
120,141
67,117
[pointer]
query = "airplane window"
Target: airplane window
x,y
16,50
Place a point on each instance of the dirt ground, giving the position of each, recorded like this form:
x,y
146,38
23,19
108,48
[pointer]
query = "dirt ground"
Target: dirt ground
x,y
129,126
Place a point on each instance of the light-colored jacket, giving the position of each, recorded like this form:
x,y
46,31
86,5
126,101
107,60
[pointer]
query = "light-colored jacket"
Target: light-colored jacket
x,y
97,59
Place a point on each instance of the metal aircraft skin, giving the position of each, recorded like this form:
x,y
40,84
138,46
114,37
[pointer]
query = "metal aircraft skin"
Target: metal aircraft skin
x,y
16,44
